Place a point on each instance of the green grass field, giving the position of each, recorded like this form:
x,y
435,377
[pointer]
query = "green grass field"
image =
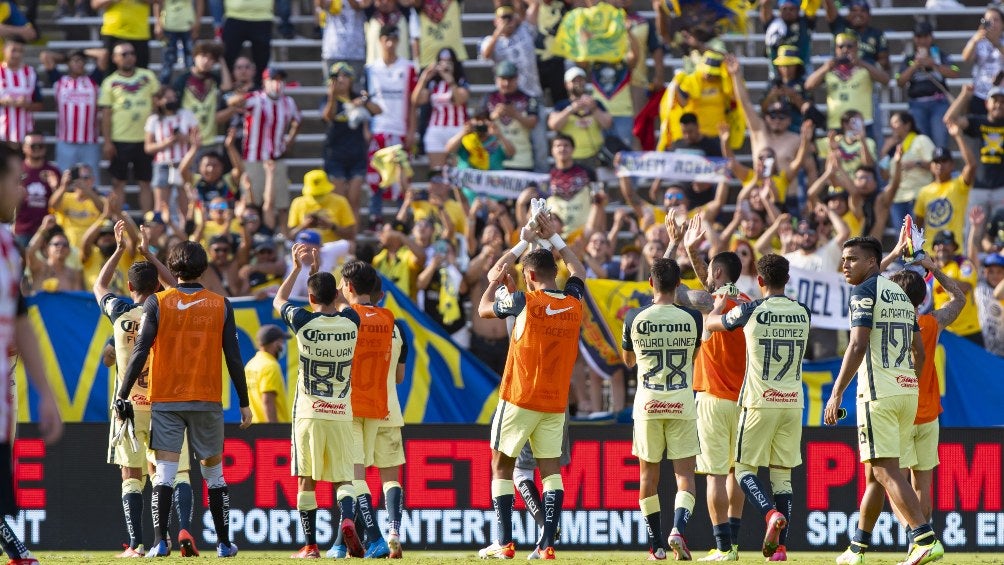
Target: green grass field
x,y
258,557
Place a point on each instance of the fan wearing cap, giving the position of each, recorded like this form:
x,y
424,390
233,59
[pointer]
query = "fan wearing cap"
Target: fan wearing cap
x,y
347,113
706,93
581,117
514,39
266,388
321,209
962,271
271,122
988,185
787,88
98,244
515,114
989,295
217,220
849,80
789,34
923,73
47,257
941,205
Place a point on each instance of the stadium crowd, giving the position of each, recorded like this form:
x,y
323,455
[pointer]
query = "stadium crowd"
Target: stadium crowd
x,y
205,141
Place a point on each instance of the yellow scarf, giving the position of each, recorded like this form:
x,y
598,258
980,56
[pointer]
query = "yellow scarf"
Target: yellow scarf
x,y
449,297
391,163
908,141
477,156
334,9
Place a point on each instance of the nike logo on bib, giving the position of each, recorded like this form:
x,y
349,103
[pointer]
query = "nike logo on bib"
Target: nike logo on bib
x,y
370,314
551,312
187,305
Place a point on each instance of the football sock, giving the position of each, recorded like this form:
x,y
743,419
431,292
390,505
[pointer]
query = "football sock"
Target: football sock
x,y
364,500
734,524
346,495
132,508
160,507
754,490
683,507
554,495
219,501
909,536
780,482
859,542
10,542
393,496
650,509
183,501
723,537
924,535
306,503
531,496
502,500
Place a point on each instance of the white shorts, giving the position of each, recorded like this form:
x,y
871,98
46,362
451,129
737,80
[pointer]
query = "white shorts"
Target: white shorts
x,y
437,136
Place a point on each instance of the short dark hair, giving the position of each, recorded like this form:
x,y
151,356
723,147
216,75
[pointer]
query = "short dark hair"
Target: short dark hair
x,y
212,155
541,261
868,169
143,277
913,284
377,285
665,275
187,260
867,243
773,269
9,150
562,137
688,119
322,287
361,275
729,260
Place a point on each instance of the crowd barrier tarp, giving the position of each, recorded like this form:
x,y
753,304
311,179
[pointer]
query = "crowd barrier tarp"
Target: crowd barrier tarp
x,y
443,382
447,496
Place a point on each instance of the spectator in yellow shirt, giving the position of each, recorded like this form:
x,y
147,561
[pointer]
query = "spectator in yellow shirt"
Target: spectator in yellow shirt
x,y
963,272
401,259
266,389
321,209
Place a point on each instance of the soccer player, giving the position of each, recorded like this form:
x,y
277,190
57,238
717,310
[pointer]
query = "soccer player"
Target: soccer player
x,y
16,329
533,395
197,333
770,425
718,377
370,365
887,397
666,338
388,449
925,426
144,279
322,415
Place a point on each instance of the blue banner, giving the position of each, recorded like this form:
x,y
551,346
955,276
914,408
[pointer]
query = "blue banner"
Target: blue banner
x,y
443,383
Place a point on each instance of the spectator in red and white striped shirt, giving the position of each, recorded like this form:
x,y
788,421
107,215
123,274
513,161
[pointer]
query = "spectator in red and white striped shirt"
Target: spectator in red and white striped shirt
x,y
76,96
168,130
443,86
20,94
271,121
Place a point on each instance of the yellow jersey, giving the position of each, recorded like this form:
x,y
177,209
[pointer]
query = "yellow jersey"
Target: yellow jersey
x,y
942,205
127,19
887,370
961,270
130,100
853,93
264,375
334,208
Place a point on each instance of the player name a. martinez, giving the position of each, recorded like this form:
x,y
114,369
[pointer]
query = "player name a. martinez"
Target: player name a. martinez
x,y
774,395
324,407
896,312
317,335
769,318
663,407
646,327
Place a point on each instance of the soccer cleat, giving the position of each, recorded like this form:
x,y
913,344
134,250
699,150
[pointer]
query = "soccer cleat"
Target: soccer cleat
x,y
187,543
130,552
657,554
549,553
394,543
922,554
29,560
223,551
848,557
337,552
307,552
535,554
679,546
781,554
498,551
161,549
351,538
775,523
377,549
719,555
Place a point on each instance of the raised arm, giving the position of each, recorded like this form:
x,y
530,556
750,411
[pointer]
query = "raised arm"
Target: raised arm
x,y
968,157
104,279
301,256
753,119
950,310
956,113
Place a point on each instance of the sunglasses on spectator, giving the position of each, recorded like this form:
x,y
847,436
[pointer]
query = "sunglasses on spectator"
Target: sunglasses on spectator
x,y
674,196
221,207
778,115
220,249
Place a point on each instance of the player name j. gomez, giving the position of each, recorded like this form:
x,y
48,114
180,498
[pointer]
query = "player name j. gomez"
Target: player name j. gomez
x,y
774,395
662,407
768,318
325,407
